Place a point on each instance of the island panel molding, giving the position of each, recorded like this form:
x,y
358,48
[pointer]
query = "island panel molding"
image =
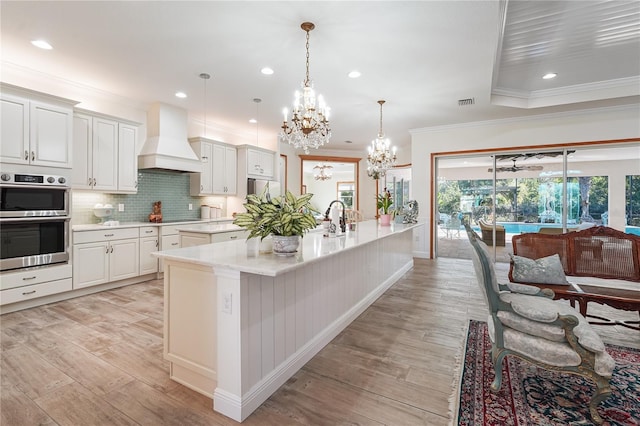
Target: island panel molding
x,y
269,315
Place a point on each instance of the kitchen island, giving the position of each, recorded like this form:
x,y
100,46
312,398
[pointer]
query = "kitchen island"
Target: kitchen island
x,y
237,326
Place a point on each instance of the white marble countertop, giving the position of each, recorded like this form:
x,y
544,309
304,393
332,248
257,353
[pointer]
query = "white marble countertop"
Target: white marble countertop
x,y
209,228
234,254
98,227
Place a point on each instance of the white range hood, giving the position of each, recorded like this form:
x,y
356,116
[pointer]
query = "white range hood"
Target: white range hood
x,y
167,146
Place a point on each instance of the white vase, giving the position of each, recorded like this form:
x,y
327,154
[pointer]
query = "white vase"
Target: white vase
x,y
285,246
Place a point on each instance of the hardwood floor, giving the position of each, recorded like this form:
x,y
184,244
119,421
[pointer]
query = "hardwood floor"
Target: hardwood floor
x,y
97,360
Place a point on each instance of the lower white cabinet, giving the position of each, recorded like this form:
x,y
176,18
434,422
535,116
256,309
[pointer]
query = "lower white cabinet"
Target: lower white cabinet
x,y
103,256
149,243
189,239
169,239
30,284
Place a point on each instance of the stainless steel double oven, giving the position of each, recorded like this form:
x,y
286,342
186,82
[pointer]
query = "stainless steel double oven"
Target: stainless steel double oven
x,y
34,220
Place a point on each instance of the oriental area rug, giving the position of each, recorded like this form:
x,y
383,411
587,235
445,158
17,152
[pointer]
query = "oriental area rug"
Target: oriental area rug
x,y
534,396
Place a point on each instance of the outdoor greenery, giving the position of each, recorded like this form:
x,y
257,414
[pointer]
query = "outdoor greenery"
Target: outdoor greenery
x,y
529,199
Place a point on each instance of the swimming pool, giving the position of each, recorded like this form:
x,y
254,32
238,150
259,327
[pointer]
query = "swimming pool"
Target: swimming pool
x,y
520,228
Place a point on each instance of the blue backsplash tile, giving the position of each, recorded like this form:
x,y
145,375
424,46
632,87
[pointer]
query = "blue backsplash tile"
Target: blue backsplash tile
x,y
171,188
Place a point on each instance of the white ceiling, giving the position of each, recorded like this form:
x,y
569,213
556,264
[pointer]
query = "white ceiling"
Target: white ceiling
x,y
419,56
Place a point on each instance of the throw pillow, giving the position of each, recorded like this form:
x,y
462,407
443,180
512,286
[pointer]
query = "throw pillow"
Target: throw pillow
x,y
546,270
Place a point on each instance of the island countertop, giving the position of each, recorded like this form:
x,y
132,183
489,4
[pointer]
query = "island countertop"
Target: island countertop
x,y
313,246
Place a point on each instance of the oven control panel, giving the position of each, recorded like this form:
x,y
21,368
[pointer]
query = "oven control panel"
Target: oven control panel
x,y
29,179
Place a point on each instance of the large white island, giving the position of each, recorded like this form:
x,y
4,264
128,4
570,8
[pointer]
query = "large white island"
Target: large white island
x,y
236,327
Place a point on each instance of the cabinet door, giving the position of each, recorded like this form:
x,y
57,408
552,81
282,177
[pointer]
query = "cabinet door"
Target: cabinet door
x,y
50,135
206,177
230,170
266,164
148,263
124,259
218,164
127,158
105,154
90,264
14,130
168,242
82,174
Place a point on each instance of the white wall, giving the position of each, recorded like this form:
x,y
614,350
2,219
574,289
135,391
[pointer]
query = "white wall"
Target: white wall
x,y
562,128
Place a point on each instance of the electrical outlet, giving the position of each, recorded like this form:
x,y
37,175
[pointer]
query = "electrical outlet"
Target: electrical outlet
x,y
190,206
120,207
226,303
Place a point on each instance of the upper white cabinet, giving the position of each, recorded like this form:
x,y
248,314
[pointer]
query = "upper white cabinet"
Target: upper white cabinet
x,y
36,129
218,176
256,162
105,152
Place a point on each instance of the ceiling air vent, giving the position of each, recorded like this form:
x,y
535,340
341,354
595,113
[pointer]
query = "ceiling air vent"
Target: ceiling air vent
x,y
465,102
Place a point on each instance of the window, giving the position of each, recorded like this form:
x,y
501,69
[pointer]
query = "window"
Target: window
x,y
346,192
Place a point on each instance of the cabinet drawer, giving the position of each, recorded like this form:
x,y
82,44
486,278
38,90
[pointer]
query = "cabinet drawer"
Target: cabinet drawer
x,y
170,230
104,235
148,231
35,276
227,236
33,291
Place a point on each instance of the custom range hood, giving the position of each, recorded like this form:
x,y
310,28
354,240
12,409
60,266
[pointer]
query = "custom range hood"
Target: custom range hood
x,y
167,146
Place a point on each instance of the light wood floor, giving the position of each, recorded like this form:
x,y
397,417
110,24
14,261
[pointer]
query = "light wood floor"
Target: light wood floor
x,y
97,360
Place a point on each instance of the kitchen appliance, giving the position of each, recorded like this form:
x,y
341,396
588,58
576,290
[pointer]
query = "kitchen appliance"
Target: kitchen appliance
x,y
34,220
256,186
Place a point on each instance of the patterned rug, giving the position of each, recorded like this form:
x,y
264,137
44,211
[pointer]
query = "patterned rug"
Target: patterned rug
x,y
533,396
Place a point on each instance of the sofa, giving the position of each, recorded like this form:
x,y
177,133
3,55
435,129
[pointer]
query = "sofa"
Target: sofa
x,y
487,233
598,264
599,252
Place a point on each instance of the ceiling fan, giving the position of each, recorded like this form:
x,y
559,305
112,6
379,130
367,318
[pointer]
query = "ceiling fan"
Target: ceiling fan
x,y
516,168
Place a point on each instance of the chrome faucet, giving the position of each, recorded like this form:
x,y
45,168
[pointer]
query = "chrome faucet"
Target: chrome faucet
x,y
343,219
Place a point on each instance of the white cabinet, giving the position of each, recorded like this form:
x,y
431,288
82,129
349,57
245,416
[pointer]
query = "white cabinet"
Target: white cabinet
x,y
256,163
105,149
34,131
149,243
189,239
260,164
169,239
218,176
33,283
103,256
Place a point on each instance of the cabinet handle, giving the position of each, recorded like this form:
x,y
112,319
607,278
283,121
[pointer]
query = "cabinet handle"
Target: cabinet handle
x,y
33,155
95,182
148,232
174,244
26,155
107,250
205,159
29,278
201,188
111,249
108,235
135,184
25,293
156,243
90,182
233,238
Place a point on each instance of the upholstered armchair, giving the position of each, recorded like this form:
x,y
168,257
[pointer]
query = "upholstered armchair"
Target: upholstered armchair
x,y
525,322
487,233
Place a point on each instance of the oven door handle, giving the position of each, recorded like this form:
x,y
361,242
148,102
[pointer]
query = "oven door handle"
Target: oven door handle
x,y
33,219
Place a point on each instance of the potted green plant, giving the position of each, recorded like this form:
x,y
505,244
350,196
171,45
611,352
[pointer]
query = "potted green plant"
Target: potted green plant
x,y
384,203
286,218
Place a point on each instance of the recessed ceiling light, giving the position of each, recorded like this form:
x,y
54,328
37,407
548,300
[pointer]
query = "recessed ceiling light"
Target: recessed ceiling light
x,y
253,121
42,44
549,76
181,95
266,71
354,74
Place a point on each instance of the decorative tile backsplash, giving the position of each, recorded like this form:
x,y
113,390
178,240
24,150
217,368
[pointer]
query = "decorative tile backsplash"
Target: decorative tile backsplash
x,y
171,188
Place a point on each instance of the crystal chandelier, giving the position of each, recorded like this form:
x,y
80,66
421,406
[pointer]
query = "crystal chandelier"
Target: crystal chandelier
x,y
309,127
322,174
380,159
